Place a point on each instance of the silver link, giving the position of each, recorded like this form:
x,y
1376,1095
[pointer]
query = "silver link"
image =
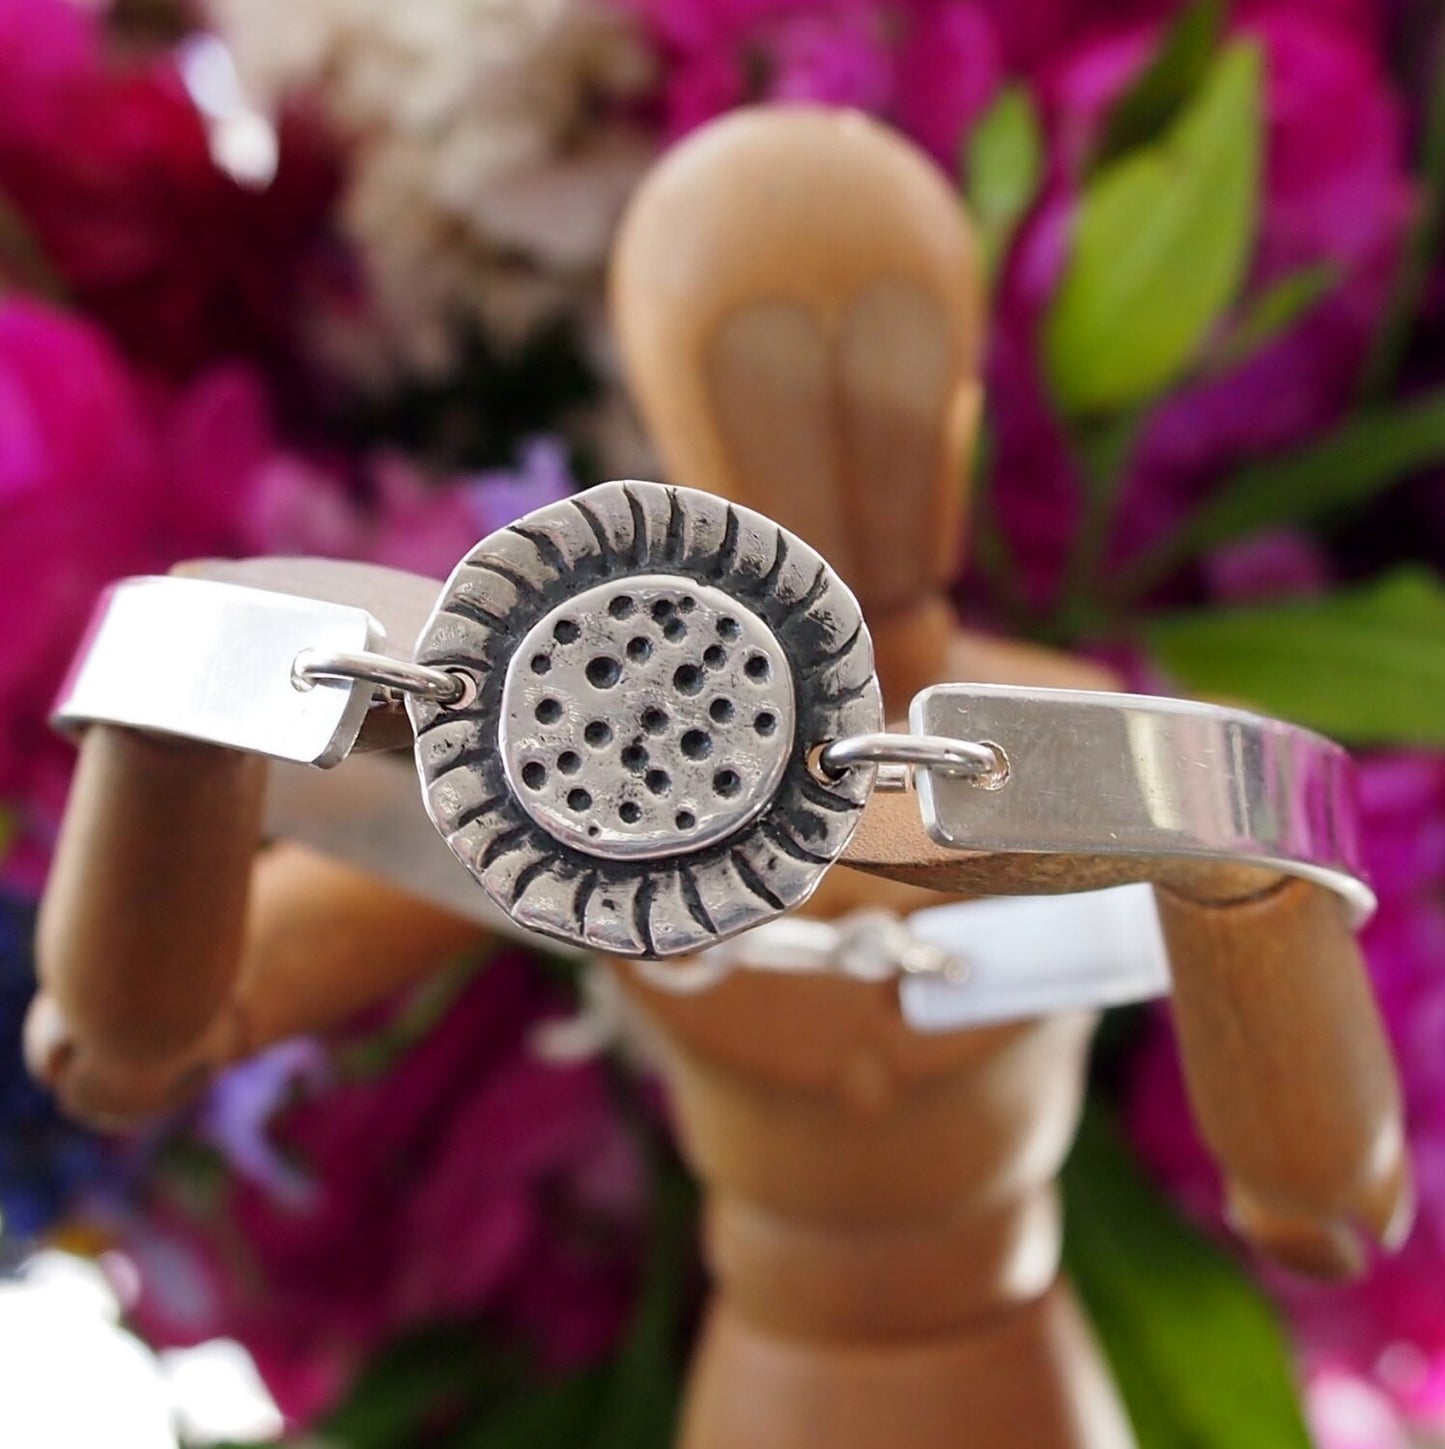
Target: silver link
x,y
980,761
439,685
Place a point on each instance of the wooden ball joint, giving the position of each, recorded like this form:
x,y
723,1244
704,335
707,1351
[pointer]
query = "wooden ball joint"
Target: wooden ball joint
x,y
798,302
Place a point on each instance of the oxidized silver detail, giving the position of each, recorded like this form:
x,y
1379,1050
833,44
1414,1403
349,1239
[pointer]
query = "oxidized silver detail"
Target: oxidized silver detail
x,y
657,885
647,717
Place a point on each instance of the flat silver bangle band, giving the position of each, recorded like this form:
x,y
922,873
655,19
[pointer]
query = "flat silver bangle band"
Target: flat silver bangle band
x,y
646,719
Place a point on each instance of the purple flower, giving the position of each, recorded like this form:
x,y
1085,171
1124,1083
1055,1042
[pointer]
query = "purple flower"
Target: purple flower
x,y
469,1182
1278,565
542,475
296,505
45,1163
237,1113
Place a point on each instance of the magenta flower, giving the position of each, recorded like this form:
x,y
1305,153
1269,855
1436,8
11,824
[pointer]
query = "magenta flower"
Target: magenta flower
x,y
103,475
109,166
472,1181
1281,564
930,66
948,67
81,495
100,476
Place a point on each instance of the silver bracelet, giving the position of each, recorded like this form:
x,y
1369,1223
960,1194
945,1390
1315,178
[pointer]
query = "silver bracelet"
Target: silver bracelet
x,y
646,719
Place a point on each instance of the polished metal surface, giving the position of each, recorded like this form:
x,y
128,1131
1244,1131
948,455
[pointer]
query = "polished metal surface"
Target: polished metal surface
x,y
213,661
1037,955
647,717
312,666
540,783
1133,775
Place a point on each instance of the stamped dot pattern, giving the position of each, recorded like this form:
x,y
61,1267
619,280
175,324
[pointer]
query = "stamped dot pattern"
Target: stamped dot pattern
x,y
645,717
665,801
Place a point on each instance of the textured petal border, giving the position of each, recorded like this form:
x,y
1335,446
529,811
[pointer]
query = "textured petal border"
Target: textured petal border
x,y
685,902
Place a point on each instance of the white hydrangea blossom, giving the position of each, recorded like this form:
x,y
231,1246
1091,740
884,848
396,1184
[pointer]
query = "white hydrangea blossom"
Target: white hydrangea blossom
x,y
489,159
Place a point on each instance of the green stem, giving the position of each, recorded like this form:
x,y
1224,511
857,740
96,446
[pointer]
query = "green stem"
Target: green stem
x,y
1105,449
1336,472
992,550
639,1404
23,262
1421,246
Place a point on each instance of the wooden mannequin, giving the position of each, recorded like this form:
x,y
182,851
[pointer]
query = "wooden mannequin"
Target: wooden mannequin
x,y
799,306
797,297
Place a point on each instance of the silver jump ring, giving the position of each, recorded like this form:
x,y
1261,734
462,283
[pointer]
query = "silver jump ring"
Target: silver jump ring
x,y
442,686
981,761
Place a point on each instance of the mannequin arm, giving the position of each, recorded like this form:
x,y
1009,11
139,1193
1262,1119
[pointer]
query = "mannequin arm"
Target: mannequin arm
x,y
168,948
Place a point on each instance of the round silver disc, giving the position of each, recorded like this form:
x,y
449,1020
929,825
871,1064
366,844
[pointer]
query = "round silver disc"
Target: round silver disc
x,y
653,667
647,717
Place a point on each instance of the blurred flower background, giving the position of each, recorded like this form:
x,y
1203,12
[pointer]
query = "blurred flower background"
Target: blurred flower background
x,y
324,276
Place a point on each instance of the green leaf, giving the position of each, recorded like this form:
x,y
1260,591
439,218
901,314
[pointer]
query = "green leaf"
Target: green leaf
x,y
630,1402
1343,469
1366,666
556,1415
1161,246
1005,164
406,1386
1162,88
640,1400
1197,1352
23,262
1272,313
419,1014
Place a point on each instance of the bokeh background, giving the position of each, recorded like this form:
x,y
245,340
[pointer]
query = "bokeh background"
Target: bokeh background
x,y
324,276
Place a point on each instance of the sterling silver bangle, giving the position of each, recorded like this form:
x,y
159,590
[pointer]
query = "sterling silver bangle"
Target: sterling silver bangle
x,y
646,719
